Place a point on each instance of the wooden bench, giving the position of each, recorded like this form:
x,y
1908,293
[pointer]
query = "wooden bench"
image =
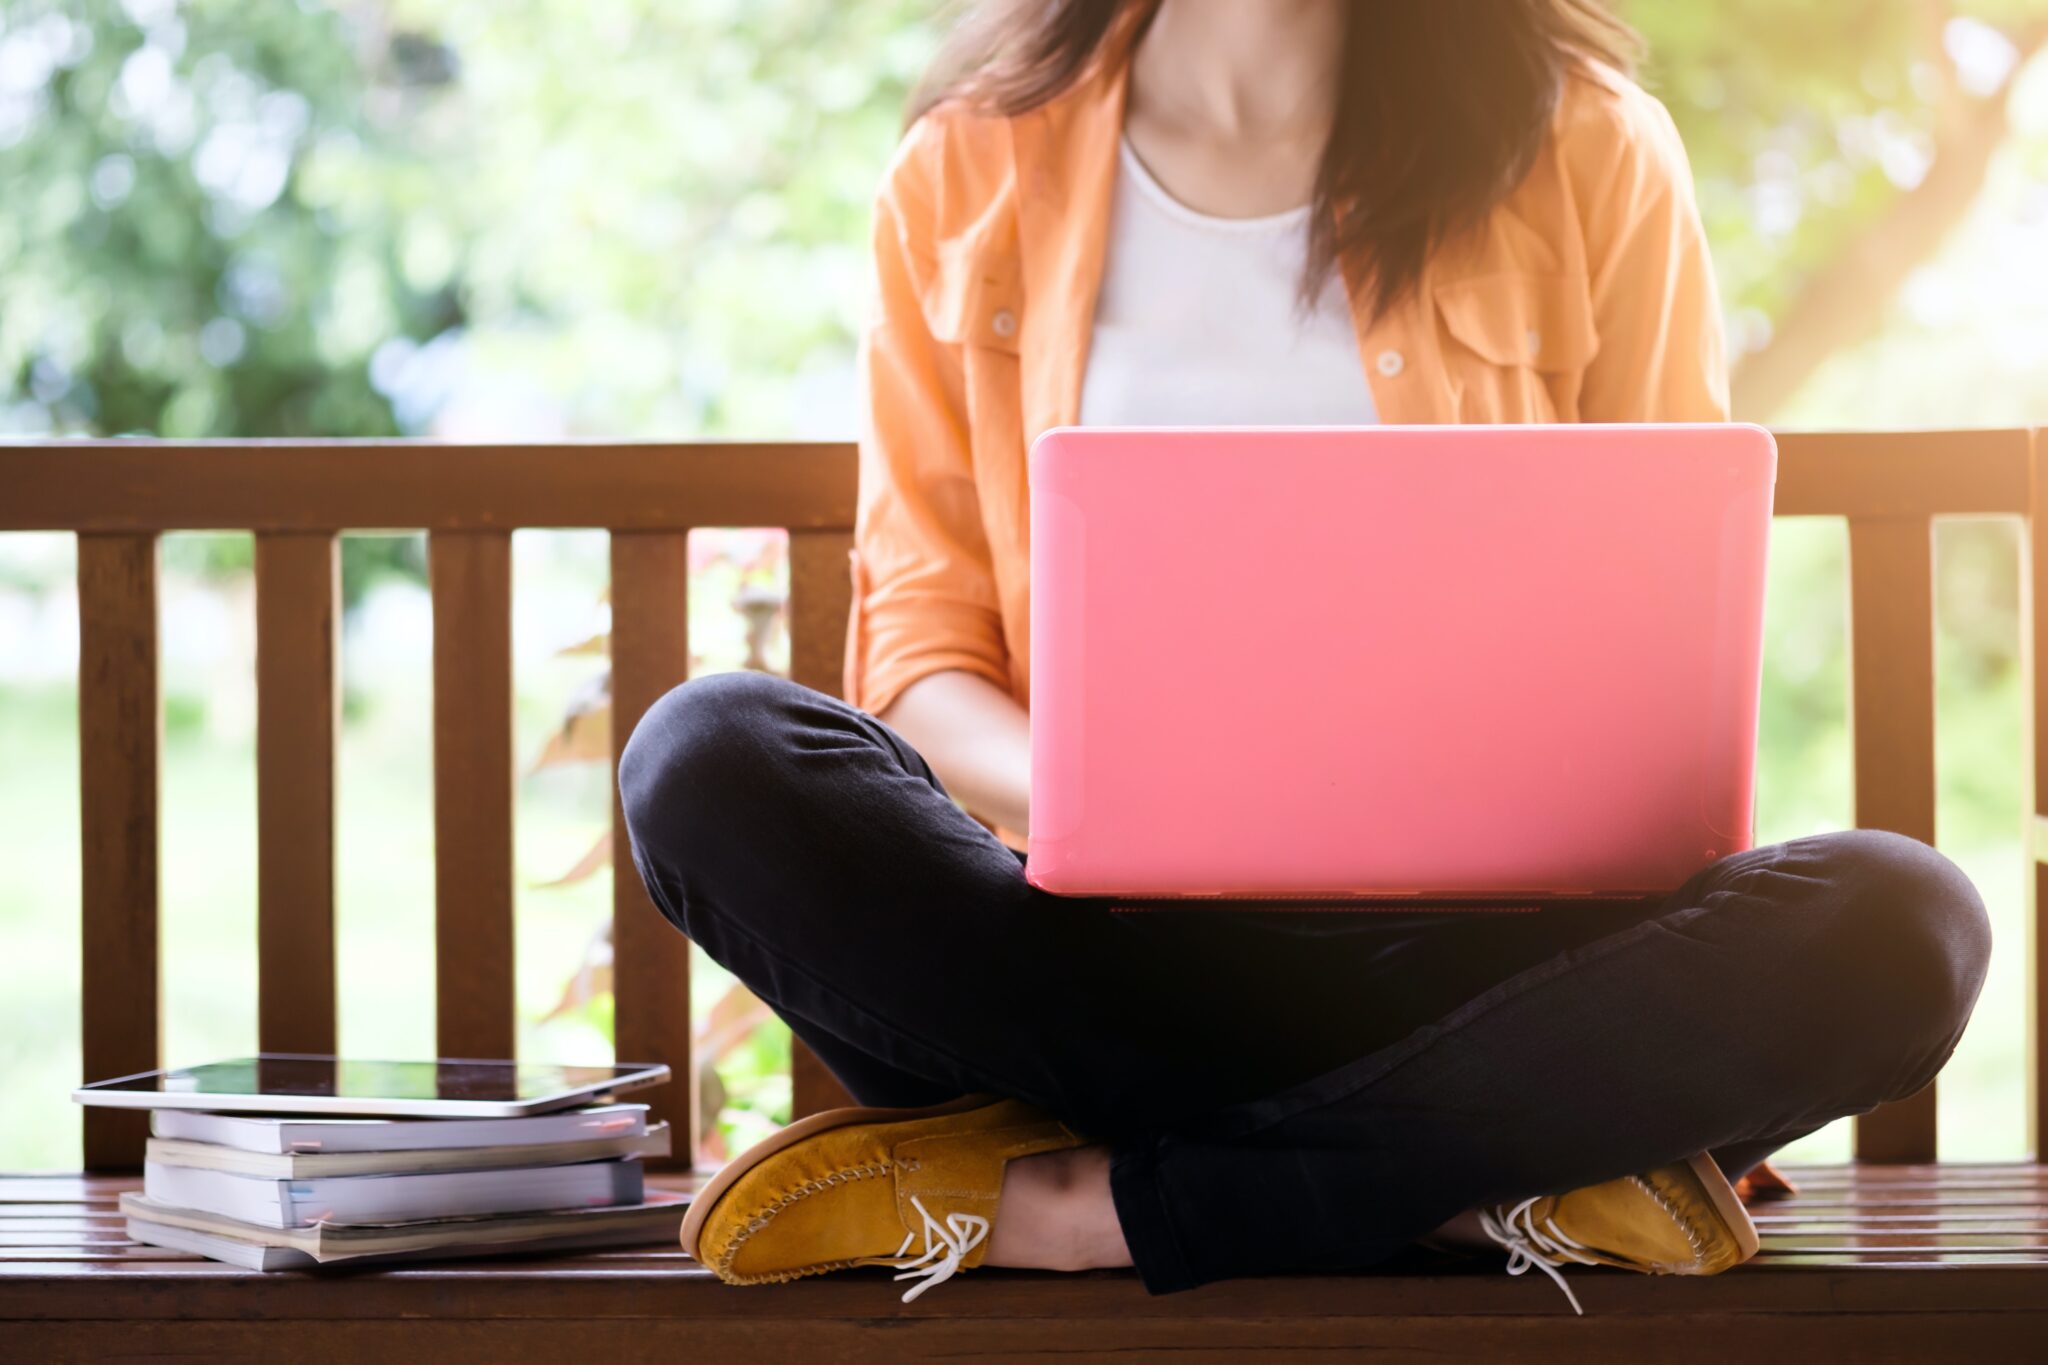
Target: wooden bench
x,y
1890,1256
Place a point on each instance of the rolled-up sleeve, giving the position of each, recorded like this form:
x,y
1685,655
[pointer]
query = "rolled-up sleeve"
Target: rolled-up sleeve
x,y
924,591
1662,356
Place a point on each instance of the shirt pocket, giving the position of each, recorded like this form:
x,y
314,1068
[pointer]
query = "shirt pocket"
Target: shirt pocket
x,y
974,297
1517,344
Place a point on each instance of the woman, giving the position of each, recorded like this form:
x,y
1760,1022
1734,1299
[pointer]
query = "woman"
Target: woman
x,y
1201,211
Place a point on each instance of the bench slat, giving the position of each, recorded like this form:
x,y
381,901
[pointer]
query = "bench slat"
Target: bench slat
x,y
1891,635
298,607
820,596
120,723
650,644
470,574
1816,1260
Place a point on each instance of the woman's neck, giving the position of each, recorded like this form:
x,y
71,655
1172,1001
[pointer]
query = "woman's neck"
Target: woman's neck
x,y
1231,101
1237,70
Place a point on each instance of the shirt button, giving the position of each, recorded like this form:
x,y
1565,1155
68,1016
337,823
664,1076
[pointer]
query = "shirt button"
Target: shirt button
x,y
1535,340
1004,323
1390,363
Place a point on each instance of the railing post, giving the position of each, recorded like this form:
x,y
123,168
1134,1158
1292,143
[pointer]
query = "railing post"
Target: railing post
x,y
2034,647
820,596
298,611
120,730
1891,642
470,573
650,642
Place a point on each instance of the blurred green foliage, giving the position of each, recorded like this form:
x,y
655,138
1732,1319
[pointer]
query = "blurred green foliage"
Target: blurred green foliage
x,y
184,253
306,218
1805,118
285,219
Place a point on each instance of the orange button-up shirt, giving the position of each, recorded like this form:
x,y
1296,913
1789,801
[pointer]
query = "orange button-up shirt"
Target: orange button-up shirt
x,y
1586,296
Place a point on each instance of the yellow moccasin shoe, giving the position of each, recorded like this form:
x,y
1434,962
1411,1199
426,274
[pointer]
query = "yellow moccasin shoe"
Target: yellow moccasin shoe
x,y
912,1189
1680,1219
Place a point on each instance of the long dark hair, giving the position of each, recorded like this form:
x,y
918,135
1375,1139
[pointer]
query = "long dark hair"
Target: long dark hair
x,y
1442,106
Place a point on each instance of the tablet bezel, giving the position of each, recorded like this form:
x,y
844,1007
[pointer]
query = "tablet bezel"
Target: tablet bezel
x,y
625,1076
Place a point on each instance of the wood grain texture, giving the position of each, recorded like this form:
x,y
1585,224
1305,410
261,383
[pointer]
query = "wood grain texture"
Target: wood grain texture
x,y
1053,1330
120,722
820,596
650,645
471,576
1881,474
298,611
2034,647
1891,643
393,484
1844,1275
298,485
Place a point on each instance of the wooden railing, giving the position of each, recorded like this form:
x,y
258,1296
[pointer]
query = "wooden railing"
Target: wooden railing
x,y
119,497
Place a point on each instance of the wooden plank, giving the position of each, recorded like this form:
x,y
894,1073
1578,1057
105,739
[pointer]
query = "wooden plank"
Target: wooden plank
x,y
318,485
64,1189
1967,1204
645,1293
2034,667
298,609
1533,1333
1891,642
300,485
120,723
820,596
1882,474
650,646
471,577
1801,1235
1849,1173
1943,1222
106,1256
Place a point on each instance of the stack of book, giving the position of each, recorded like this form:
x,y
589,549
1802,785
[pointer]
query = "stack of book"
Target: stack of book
x,y
282,1193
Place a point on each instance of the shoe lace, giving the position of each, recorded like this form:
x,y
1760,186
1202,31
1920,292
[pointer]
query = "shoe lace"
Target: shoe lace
x,y
1544,1246
945,1246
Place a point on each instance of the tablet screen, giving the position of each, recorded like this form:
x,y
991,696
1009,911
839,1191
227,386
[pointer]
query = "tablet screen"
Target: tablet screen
x,y
277,1076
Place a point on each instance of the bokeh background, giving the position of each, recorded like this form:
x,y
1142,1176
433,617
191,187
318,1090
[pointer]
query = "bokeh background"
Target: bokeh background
x,y
646,218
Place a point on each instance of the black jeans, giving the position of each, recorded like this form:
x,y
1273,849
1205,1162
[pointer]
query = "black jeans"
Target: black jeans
x,y
1289,1090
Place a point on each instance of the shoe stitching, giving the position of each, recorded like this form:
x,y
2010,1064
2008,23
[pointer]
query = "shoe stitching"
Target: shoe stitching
x,y
722,1267
1693,1237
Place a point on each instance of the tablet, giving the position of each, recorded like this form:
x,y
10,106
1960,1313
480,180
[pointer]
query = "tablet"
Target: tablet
x,y
304,1083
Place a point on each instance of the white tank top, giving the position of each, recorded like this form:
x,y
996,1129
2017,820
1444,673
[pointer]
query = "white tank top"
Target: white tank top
x,y
1199,321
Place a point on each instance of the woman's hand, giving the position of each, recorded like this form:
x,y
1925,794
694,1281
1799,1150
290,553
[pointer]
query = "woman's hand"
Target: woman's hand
x,y
977,739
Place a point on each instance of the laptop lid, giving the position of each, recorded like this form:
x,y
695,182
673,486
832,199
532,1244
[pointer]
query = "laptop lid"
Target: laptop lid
x,y
1394,661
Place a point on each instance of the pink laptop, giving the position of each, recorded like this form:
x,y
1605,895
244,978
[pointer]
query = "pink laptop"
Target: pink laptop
x,y
1447,662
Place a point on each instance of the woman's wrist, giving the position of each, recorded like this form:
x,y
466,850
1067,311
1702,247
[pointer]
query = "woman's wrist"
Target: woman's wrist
x,y
976,738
